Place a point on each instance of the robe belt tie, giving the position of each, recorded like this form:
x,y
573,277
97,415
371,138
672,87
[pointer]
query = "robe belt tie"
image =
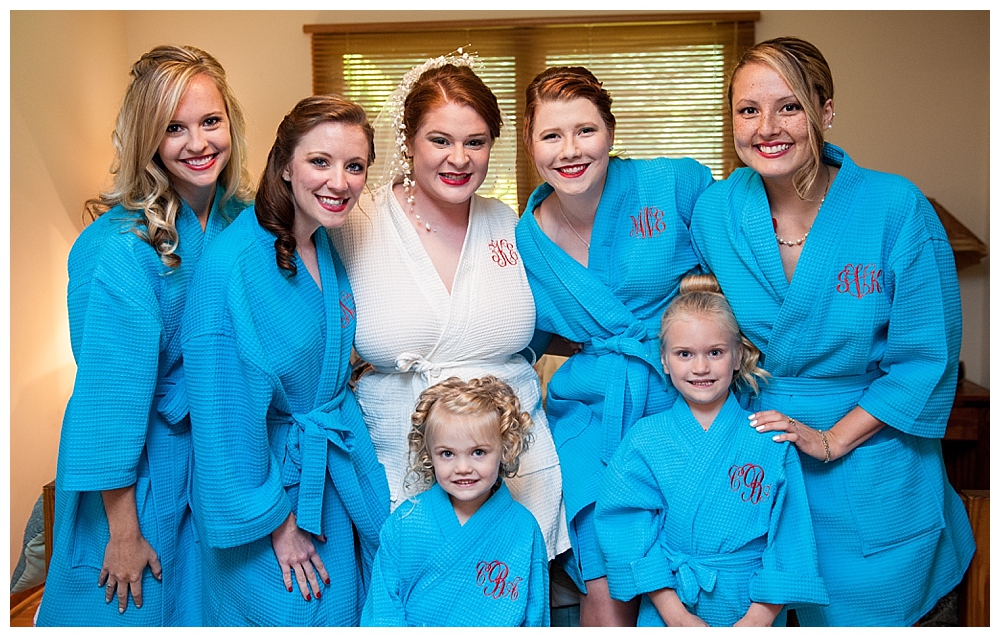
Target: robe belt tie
x,y
637,353
316,430
431,371
173,401
804,386
696,573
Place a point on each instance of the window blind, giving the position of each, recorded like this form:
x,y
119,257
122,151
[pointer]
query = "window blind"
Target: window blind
x,y
666,74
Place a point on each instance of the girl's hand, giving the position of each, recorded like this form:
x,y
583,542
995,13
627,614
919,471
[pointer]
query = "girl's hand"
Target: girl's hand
x,y
296,553
125,559
808,440
759,615
673,612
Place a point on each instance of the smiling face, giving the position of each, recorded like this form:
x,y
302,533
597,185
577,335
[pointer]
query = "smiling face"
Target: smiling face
x,y
770,126
700,357
570,144
197,145
451,155
465,450
327,174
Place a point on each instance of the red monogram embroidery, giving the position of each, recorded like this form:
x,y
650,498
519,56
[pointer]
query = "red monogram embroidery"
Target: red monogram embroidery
x,y
347,309
504,253
748,481
860,280
493,577
648,223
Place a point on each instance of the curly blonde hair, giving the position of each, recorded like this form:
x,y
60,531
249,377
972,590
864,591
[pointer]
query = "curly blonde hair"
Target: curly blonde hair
x,y
701,297
488,397
159,79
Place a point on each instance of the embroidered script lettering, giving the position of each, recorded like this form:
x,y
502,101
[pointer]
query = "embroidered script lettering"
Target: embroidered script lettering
x,y
860,280
504,253
494,578
347,309
748,481
648,223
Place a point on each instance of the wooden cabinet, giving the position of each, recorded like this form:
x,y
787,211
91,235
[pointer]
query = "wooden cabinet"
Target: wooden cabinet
x,y
966,443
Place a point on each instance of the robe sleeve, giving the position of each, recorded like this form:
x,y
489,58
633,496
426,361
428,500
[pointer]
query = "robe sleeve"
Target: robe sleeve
x,y
924,329
628,521
116,330
537,608
384,606
238,485
790,570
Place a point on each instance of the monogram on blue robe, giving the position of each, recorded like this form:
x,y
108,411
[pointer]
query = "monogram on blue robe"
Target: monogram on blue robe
x,y
126,422
276,430
640,250
871,318
718,515
430,570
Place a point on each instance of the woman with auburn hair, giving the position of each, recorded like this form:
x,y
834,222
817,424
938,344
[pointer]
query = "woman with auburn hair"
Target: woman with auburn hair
x,y
844,279
440,286
288,494
605,244
123,523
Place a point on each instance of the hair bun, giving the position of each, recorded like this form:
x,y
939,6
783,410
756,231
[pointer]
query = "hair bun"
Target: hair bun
x,y
700,283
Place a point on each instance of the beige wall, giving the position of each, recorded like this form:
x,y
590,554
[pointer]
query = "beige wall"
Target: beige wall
x,y
912,98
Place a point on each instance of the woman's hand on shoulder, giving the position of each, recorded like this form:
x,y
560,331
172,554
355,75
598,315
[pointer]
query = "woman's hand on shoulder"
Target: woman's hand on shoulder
x,y
808,440
297,554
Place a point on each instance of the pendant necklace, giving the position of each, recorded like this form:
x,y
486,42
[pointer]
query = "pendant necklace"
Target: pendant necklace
x,y
563,213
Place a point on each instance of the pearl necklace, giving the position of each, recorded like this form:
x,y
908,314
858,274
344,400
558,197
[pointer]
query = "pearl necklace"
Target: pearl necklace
x,y
410,199
792,244
563,213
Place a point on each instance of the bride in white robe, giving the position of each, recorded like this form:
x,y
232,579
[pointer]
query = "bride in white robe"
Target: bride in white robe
x,y
445,294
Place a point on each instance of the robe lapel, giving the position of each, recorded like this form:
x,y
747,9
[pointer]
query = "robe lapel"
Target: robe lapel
x,y
812,280
338,304
461,541
585,287
708,449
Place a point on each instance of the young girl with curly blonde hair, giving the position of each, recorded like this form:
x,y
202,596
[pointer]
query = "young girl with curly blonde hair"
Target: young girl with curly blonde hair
x,y
463,552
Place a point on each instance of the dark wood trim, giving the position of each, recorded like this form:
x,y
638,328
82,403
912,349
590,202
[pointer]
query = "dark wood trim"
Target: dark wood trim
x,y
622,19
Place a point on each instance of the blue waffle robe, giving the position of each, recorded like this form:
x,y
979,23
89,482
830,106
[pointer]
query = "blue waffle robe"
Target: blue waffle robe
x,y
640,250
276,430
430,570
126,422
720,516
872,318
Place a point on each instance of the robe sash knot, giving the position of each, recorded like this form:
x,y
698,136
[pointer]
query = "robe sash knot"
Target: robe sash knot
x,y
696,573
173,401
308,440
637,353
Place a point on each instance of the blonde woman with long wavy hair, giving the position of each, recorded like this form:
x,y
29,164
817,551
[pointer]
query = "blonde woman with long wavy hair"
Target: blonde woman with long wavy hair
x,y
123,525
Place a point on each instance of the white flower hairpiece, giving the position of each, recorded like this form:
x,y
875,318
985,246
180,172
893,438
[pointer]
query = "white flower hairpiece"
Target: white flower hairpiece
x,y
398,164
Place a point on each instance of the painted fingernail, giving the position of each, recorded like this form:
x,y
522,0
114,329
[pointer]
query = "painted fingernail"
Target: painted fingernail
x,y
289,589
319,594
760,429
777,438
753,422
308,597
327,580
